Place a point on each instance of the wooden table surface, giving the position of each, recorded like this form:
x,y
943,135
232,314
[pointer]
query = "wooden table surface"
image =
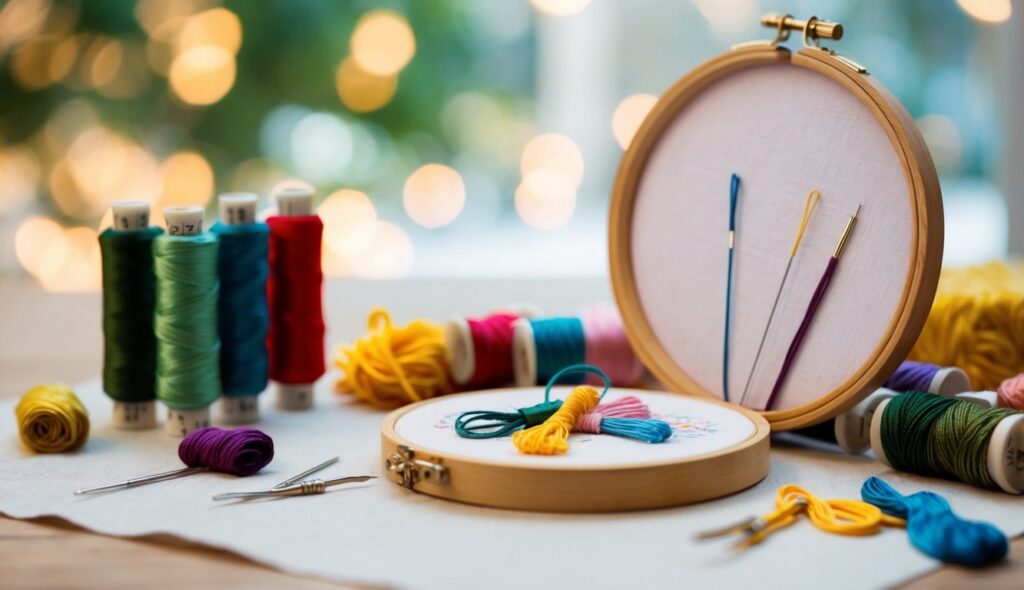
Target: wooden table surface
x,y
57,337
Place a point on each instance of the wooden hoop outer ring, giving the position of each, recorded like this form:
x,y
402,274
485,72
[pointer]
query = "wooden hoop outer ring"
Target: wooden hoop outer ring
x,y
592,489
926,209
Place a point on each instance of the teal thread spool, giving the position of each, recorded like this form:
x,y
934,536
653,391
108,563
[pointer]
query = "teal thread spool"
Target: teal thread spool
x,y
188,345
242,312
543,347
976,444
129,345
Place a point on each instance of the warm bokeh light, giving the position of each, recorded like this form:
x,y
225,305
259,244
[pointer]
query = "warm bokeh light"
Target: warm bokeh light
x,y
164,19
628,116
434,195
545,200
383,42
19,178
187,180
990,11
61,260
218,27
202,75
350,222
102,61
388,256
362,91
20,20
560,7
556,153
63,59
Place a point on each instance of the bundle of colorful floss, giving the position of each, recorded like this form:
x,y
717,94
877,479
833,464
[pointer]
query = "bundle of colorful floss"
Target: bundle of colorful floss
x,y
393,366
51,419
975,323
242,452
627,418
129,294
951,438
242,314
188,344
295,339
542,347
935,530
479,350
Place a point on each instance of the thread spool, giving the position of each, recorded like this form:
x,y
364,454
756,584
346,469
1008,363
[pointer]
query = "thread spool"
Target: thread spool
x,y
184,222
242,311
1005,448
129,365
296,351
544,346
917,376
490,339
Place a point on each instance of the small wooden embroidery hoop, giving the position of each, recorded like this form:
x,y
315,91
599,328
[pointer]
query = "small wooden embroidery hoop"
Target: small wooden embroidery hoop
x,y
557,488
923,191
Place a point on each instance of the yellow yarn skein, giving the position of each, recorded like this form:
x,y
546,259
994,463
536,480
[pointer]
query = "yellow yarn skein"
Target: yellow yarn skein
x,y
977,323
51,419
550,438
393,366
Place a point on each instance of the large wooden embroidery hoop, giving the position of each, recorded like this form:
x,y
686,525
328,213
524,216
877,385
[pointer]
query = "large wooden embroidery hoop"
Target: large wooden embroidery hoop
x,y
820,121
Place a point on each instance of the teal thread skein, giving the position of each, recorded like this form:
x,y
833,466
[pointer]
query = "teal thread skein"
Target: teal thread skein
x,y
559,343
935,530
242,309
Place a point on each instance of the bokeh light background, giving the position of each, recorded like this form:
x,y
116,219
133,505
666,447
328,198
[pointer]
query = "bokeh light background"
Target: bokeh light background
x,y
443,137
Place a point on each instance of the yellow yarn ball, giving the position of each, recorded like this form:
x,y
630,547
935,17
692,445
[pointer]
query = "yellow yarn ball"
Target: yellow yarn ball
x,y
393,366
51,419
977,323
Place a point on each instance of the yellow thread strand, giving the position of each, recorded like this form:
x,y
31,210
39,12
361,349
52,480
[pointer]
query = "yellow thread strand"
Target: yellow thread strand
x,y
813,198
837,516
977,323
51,419
393,366
551,437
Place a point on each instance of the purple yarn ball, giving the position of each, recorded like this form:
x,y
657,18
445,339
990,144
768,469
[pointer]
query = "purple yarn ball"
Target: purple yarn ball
x,y
242,451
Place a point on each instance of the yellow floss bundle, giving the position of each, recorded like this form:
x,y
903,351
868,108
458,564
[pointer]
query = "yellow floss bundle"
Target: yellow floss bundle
x,y
977,323
51,419
551,437
393,366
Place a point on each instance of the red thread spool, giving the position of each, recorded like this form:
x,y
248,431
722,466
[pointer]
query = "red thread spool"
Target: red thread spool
x,y
479,350
295,340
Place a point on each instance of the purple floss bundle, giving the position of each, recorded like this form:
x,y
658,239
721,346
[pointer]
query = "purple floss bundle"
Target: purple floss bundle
x,y
242,451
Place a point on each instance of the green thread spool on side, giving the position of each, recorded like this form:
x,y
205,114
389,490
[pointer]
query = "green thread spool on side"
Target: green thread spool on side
x,y
951,438
129,345
188,344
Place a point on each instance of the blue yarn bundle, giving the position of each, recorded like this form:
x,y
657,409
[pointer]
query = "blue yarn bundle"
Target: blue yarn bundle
x,y
935,530
559,343
642,429
242,315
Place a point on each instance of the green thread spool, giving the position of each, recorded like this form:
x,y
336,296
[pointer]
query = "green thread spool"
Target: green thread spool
x,y
188,345
129,345
952,438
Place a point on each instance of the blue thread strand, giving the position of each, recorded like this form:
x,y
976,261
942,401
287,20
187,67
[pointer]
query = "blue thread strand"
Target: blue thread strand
x,y
647,430
734,193
559,343
243,318
935,530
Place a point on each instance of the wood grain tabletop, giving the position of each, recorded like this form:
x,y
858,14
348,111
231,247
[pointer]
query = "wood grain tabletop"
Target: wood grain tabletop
x,y
57,337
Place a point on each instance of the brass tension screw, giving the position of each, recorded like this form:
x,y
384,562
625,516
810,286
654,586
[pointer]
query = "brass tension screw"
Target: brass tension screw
x,y
814,27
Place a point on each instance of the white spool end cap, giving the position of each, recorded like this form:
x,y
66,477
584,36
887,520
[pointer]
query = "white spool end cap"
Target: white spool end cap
x,y
185,220
853,429
182,422
295,396
876,433
459,350
237,208
243,409
985,399
1006,454
294,201
949,381
524,354
134,415
129,215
